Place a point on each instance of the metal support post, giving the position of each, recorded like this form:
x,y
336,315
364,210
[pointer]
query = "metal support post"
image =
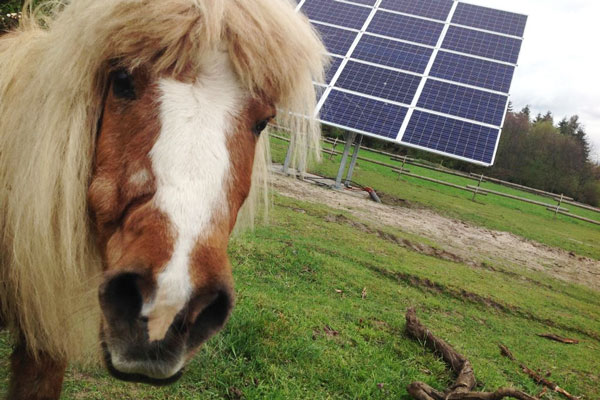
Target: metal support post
x,y
349,139
353,161
288,155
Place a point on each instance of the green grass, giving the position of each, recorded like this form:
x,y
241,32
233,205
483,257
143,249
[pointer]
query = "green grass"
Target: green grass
x,y
294,336
494,212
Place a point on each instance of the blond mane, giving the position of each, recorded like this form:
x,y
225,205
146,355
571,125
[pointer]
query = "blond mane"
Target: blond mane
x,y
52,74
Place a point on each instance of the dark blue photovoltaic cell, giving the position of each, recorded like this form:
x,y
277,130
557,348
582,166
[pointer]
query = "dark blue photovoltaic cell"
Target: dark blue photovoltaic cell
x,y
490,19
365,2
451,136
473,71
337,40
482,44
335,12
332,69
319,90
378,82
463,102
406,28
355,112
392,54
436,9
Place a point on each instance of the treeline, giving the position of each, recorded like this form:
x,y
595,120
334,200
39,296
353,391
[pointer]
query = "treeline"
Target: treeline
x,y
546,155
535,152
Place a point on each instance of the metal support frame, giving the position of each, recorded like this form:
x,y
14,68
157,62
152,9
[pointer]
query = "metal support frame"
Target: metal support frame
x,y
353,161
349,140
288,155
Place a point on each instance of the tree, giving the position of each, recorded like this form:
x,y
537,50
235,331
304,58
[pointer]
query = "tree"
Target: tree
x,y
548,157
545,118
573,128
526,111
510,107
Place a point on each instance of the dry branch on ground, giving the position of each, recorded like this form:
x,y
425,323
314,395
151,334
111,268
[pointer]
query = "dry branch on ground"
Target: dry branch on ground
x,y
557,338
465,380
537,377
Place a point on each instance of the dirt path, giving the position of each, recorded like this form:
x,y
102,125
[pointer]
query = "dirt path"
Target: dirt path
x,y
468,241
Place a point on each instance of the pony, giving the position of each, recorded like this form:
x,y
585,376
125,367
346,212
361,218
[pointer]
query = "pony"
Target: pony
x,y
130,149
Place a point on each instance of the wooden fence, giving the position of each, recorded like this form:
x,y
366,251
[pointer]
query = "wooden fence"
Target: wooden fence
x,y
476,190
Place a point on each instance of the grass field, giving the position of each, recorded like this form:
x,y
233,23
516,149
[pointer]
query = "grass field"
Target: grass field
x,y
302,328
494,212
293,336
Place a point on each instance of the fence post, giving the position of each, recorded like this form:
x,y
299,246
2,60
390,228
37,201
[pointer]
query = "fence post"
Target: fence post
x,y
333,149
559,204
478,186
402,167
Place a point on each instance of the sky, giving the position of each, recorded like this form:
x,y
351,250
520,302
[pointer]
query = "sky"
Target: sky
x,y
559,65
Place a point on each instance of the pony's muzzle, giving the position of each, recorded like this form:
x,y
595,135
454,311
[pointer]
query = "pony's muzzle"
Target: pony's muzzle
x,y
129,353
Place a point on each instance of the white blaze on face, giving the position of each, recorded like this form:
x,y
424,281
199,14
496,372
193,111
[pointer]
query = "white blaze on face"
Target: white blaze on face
x,y
190,162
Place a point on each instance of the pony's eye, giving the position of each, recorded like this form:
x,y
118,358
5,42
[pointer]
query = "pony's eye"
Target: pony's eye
x,y
258,128
122,84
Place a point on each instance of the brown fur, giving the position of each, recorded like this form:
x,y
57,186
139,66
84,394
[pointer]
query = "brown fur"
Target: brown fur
x,y
120,207
35,378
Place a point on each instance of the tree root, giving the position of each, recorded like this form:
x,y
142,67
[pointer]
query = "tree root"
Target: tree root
x,y
465,380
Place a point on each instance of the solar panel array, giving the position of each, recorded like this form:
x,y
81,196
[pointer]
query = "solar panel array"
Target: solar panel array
x,y
431,74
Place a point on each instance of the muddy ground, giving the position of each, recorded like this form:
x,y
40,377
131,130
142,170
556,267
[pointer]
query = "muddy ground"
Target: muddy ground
x,y
460,241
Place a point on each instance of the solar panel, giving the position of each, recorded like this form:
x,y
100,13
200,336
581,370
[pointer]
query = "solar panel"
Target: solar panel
x,y
336,12
364,114
460,138
431,74
436,9
490,19
378,82
473,71
392,53
332,68
407,28
482,44
464,102
337,40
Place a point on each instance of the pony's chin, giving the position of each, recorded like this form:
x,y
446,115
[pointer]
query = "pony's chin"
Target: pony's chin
x,y
133,377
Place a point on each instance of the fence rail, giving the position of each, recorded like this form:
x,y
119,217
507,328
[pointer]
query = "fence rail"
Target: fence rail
x,y
525,188
466,188
511,196
553,209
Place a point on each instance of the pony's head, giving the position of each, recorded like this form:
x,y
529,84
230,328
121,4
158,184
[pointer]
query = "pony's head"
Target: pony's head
x,y
174,162
170,99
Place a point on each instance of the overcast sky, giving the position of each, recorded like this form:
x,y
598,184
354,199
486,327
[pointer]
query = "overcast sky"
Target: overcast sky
x,y
559,66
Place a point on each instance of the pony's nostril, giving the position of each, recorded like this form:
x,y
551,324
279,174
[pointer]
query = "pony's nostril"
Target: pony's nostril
x,y
211,318
120,297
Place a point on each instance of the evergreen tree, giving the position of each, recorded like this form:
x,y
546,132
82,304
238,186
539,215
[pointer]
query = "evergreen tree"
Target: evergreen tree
x,y
526,111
